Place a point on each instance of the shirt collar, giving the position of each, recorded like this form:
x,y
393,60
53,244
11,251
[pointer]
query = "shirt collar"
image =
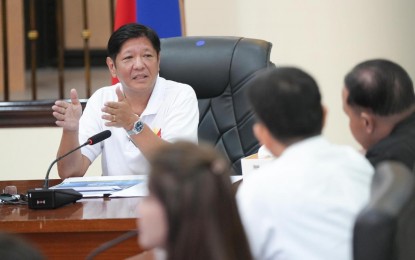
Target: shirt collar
x,y
306,147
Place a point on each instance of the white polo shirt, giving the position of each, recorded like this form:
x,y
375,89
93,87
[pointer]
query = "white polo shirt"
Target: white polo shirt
x,y
303,204
172,112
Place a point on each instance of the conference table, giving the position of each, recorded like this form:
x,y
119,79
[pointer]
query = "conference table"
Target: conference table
x,y
74,230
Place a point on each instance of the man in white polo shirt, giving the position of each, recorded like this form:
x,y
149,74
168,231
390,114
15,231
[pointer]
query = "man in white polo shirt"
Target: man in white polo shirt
x,y
303,204
143,111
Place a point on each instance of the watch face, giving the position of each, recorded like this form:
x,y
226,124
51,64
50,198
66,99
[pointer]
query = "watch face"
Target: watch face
x,y
138,127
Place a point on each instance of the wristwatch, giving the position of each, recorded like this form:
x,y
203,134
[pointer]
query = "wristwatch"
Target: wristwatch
x,y
137,128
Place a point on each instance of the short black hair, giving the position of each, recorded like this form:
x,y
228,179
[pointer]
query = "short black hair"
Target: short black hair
x,y
380,85
288,101
130,31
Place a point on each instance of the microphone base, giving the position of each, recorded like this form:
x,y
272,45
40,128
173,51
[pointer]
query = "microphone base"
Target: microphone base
x,y
51,198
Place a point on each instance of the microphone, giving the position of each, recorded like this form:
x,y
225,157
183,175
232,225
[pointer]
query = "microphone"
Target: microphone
x,y
98,137
46,198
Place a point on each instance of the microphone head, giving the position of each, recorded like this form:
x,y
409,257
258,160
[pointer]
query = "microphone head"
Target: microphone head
x,y
99,137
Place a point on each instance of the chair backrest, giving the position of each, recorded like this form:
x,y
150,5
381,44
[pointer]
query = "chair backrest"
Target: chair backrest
x,y
385,228
218,69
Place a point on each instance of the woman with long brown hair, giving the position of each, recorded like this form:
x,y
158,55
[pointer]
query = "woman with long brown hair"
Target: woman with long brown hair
x,y
191,211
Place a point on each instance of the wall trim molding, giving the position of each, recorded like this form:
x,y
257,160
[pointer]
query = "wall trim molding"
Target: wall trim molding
x,y
36,113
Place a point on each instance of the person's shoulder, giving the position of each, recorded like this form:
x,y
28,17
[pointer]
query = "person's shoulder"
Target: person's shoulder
x,y
396,148
269,187
390,146
349,159
267,176
105,92
346,150
177,87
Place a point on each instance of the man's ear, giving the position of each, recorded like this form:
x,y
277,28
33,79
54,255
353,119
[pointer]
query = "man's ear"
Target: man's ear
x,y
158,61
265,137
368,122
111,67
260,133
324,108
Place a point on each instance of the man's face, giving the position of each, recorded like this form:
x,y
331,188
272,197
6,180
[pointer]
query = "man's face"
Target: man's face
x,y
136,65
356,122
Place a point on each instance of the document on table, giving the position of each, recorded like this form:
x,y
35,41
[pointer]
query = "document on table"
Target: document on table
x,y
112,186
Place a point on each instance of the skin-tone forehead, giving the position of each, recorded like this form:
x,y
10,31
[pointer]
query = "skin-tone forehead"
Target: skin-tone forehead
x,y
127,45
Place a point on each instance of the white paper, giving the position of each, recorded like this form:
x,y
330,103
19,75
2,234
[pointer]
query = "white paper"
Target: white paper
x,y
100,186
113,191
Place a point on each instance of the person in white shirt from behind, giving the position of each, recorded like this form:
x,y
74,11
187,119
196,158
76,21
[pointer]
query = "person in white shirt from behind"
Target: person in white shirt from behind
x,y
303,204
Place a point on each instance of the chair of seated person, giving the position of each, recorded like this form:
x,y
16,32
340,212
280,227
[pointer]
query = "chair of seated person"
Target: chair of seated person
x,y
385,228
218,69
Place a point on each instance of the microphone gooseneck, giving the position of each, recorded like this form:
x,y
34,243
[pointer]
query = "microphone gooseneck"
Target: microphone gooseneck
x,y
46,184
91,141
111,243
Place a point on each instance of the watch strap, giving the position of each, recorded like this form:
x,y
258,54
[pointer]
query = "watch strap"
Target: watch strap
x,y
137,128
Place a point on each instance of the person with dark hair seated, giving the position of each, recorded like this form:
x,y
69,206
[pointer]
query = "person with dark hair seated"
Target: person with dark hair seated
x,y
303,204
191,210
378,98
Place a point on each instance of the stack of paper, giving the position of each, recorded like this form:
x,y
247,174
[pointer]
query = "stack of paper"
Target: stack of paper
x,y
112,186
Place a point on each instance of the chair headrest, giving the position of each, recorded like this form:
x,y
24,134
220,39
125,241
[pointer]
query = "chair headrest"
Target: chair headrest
x,y
209,63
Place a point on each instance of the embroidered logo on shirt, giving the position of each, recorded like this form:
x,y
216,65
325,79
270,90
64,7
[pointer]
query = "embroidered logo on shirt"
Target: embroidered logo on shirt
x,y
157,131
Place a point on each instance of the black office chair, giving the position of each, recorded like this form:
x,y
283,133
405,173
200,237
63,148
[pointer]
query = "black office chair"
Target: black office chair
x,y
385,228
218,69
